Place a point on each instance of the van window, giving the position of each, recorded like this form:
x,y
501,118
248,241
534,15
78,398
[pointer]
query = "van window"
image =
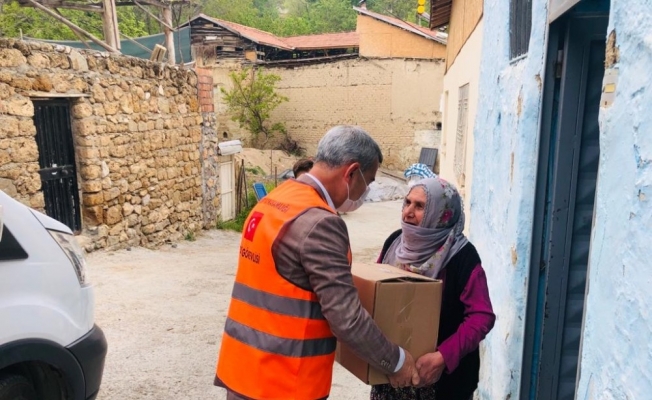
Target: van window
x,y
10,249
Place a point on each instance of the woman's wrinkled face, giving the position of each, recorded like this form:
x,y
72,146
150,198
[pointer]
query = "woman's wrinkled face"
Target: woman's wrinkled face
x,y
414,206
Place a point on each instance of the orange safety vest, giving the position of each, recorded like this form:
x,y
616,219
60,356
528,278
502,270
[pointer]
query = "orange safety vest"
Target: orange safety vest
x,y
276,342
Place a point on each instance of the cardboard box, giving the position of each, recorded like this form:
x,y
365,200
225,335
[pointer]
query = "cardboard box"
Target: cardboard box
x,y
405,306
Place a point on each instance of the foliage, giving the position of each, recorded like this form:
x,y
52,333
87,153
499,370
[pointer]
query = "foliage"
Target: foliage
x,y
238,223
281,17
255,170
291,146
37,24
190,236
251,101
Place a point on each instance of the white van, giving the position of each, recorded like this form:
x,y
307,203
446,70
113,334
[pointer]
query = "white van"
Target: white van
x,y
50,348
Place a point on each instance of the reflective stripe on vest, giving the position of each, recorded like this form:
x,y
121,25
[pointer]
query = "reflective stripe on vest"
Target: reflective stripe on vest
x,y
276,343
277,304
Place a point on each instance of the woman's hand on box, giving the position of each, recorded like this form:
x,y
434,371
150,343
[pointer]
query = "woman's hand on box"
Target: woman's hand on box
x,y
430,367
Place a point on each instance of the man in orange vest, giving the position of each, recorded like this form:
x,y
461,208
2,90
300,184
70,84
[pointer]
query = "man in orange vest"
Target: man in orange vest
x,y
294,294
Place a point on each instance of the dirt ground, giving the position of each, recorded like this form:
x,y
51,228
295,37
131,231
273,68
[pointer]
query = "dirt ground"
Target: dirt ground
x,y
163,311
266,160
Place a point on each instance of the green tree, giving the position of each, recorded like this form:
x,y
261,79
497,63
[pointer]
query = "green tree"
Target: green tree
x,y
15,19
251,101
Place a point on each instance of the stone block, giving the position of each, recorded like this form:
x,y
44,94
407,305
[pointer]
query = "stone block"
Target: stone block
x,y
93,199
84,127
113,215
116,230
87,153
133,220
93,215
27,152
103,231
18,105
11,58
92,186
22,82
38,60
111,194
127,209
42,83
5,157
82,110
111,108
77,61
97,93
37,201
90,172
8,186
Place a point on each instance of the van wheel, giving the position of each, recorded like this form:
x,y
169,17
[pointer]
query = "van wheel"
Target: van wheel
x,y
16,387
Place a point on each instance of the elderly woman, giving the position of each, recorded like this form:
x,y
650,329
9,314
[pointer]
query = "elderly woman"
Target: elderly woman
x,y
431,243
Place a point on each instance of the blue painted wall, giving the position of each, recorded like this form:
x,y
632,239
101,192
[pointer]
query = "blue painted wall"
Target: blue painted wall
x,y
504,180
616,360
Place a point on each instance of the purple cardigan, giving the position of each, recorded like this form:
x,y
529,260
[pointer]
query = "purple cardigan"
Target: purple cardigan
x,y
479,319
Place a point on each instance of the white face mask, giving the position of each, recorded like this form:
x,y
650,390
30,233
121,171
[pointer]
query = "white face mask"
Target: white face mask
x,y
351,205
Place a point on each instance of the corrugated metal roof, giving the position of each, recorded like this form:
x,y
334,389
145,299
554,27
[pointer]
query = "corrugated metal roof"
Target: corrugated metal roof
x,y
253,34
408,26
343,40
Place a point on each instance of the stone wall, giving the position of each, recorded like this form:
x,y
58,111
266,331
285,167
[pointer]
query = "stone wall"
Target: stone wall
x,y
136,127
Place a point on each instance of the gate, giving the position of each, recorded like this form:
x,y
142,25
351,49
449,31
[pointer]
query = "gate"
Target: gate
x,y
58,170
227,188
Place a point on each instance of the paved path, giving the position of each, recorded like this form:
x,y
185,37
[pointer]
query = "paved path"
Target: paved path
x,y
163,311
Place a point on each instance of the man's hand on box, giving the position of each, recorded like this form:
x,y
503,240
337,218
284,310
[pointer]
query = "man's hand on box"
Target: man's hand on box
x,y
430,367
407,375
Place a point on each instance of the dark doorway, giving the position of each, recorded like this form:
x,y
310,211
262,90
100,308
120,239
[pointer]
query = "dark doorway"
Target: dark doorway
x,y
566,183
57,161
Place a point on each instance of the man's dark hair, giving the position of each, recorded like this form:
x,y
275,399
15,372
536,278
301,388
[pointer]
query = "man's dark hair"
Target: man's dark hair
x,y
302,166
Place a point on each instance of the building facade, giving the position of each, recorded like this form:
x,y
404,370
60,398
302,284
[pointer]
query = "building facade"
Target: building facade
x,y
560,205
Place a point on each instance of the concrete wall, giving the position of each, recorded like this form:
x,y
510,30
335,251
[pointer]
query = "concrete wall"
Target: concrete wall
x,y
616,359
466,70
617,351
137,136
382,40
396,100
505,157
227,128
465,16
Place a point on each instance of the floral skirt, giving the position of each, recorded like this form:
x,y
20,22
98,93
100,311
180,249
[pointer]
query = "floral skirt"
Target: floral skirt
x,y
386,392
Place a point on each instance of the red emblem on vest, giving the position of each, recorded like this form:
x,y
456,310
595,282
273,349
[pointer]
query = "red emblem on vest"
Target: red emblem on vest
x,y
250,230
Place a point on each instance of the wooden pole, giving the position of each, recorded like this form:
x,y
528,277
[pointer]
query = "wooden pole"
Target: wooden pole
x,y
169,34
244,181
162,22
109,24
72,26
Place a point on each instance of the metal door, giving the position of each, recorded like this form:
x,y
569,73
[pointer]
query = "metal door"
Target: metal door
x,y
58,170
568,169
227,189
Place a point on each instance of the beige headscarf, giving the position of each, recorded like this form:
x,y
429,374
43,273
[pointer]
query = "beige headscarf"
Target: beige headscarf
x,y
427,248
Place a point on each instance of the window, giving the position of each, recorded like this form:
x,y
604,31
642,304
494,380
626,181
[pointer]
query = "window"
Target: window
x,y
459,166
10,249
520,26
